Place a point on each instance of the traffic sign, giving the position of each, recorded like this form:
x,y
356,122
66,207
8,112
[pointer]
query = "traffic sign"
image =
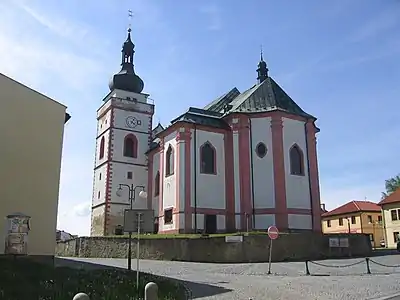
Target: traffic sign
x,y
273,232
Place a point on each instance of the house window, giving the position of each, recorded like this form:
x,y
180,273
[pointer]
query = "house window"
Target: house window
x,y
369,219
393,213
340,221
157,184
261,150
98,195
100,176
129,175
395,237
353,220
379,219
207,159
168,216
130,146
169,161
102,142
296,161
328,223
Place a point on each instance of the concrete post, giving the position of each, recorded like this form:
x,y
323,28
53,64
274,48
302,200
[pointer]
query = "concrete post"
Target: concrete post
x,y
151,291
81,296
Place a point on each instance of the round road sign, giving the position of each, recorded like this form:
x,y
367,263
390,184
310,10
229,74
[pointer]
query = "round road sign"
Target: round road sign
x,y
273,232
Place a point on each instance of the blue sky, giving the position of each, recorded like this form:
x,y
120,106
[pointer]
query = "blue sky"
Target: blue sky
x,y
339,60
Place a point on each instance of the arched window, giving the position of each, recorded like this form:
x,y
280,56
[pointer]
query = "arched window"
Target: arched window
x,y
169,161
102,142
130,146
207,159
296,160
157,185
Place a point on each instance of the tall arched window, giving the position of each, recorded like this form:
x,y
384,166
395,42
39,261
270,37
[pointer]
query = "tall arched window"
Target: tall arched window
x,y
207,159
157,185
130,146
296,160
169,161
102,142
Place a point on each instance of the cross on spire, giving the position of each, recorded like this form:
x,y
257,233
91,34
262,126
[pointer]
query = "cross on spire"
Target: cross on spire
x,y
130,20
261,52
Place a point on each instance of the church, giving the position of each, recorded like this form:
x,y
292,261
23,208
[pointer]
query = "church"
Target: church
x,y
245,161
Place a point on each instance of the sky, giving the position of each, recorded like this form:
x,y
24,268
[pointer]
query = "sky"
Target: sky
x,y
339,60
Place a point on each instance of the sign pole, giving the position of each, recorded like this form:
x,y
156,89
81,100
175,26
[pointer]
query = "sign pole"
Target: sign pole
x,y
270,257
273,234
138,251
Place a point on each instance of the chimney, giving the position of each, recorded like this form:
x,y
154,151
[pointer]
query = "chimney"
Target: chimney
x,y
323,206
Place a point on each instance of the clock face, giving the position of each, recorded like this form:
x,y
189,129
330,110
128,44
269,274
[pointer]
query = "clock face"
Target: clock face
x,y
132,122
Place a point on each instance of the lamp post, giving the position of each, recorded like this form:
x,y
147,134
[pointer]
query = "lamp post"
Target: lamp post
x,y
132,192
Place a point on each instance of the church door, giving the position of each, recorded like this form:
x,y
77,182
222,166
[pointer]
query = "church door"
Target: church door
x,y
210,224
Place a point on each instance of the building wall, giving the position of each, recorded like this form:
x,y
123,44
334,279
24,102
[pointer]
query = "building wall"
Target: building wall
x,y
169,184
262,172
362,225
210,188
391,227
31,130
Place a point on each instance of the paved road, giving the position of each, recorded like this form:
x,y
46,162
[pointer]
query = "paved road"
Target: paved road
x,y
244,281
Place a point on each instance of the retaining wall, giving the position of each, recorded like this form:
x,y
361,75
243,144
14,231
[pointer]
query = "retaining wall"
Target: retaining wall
x,y
254,248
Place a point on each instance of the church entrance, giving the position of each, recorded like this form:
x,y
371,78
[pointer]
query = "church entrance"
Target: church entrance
x,y
210,224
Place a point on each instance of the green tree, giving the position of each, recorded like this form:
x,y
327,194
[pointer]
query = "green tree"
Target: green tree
x,y
391,185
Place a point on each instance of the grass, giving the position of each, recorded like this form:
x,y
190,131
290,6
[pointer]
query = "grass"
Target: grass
x,y
22,279
188,236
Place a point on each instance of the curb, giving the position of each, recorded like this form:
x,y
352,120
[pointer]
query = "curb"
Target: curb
x,y
393,296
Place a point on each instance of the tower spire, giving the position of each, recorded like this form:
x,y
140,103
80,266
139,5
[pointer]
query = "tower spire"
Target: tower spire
x,y
126,79
262,70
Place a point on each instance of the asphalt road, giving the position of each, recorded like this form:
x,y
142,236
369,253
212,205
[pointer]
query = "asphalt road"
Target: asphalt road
x,y
336,279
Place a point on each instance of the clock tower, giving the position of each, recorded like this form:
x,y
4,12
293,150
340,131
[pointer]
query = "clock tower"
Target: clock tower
x,y
124,125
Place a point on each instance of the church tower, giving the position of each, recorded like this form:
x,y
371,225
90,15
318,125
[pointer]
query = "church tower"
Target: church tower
x,y
124,125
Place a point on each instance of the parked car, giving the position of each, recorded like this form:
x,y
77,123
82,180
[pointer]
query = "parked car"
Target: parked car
x,y
382,244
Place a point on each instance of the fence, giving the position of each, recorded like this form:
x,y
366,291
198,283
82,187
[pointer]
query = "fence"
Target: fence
x,y
150,293
366,261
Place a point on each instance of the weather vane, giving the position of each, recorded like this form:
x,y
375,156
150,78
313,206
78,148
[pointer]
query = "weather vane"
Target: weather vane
x,y
130,19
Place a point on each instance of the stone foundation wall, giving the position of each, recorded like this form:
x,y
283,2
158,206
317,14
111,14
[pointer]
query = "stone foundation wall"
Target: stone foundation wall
x,y
296,246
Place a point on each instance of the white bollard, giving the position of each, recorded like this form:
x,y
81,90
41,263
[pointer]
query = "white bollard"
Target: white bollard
x,y
151,291
81,296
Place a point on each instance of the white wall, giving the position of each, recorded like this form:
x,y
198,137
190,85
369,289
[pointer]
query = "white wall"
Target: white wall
x,y
210,188
169,182
297,187
236,177
300,221
99,185
263,168
264,221
97,221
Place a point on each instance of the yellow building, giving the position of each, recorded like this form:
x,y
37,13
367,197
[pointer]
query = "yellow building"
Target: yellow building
x,y
391,218
31,134
355,217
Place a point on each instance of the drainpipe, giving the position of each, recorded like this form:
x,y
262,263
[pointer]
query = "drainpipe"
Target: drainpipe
x,y
252,173
195,177
309,178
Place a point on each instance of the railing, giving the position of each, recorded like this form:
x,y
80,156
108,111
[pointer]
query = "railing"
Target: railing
x,y
367,261
150,293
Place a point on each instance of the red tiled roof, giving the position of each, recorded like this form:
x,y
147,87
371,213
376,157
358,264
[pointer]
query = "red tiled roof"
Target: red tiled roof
x,y
392,198
353,206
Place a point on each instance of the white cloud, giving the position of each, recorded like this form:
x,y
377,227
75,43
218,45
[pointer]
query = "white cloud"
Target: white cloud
x,y
82,209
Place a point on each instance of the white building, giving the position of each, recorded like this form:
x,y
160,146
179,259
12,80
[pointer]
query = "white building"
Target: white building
x,y
246,160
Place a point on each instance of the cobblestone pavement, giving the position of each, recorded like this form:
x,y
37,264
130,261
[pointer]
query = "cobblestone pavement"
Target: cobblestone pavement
x,y
251,281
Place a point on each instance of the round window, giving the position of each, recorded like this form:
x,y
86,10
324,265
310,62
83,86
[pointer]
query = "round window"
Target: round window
x,y
261,149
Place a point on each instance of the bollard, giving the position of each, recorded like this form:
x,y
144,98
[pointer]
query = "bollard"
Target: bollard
x,y
151,291
368,269
81,296
307,269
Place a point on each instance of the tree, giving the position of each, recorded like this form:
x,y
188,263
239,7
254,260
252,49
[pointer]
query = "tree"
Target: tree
x,y
391,185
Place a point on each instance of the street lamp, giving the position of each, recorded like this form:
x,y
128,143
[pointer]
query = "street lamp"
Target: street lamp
x,y
142,194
